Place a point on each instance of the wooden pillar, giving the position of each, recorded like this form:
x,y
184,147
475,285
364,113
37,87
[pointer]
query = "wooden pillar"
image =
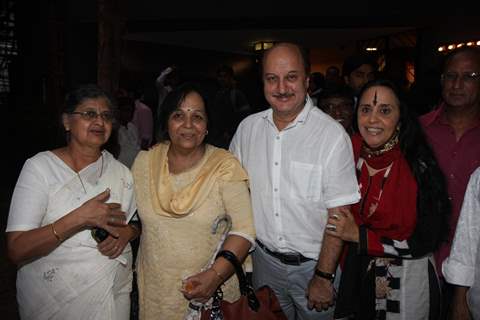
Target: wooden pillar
x,y
111,23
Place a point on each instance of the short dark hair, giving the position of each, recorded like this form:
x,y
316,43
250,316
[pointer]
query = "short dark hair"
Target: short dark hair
x,y
81,93
171,103
354,62
343,92
301,50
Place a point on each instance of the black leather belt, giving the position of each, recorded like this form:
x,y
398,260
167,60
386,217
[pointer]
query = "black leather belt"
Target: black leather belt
x,y
294,259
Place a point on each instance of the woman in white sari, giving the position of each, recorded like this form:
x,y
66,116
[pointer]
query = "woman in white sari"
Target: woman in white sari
x,y
60,197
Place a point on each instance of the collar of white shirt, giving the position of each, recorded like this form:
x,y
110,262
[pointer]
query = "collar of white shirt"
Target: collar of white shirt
x,y
301,118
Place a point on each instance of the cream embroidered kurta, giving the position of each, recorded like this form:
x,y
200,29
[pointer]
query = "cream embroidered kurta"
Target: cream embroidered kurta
x,y
173,247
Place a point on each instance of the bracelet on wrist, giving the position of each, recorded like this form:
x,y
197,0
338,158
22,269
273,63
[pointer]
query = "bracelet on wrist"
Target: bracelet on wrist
x,y
55,233
325,275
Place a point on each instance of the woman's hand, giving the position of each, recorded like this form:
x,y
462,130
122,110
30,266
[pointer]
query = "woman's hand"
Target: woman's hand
x,y
97,213
113,247
201,286
342,225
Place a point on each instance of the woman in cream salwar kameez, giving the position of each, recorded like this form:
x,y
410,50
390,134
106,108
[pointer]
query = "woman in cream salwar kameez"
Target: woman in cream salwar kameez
x,y
183,185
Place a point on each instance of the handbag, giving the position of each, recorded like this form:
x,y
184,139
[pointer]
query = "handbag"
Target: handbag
x,y
252,305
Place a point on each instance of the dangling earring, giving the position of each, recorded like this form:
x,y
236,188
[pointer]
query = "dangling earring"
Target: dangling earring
x,y
206,132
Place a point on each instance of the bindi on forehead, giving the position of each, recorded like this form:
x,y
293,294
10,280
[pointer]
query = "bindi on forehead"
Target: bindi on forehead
x,y
191,109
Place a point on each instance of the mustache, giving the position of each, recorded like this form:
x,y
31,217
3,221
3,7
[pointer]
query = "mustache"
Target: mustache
x,y
283,95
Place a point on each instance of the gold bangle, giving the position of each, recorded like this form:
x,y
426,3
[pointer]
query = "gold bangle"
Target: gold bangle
x,y
218,274
55,233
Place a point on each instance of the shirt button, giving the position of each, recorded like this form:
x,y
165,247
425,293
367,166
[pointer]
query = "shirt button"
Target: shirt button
x,y
278,138
280,238
452,176
276,163
275,189
276,214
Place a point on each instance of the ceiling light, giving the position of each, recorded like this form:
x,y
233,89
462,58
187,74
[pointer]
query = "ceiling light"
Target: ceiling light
x,y
460,45
451,46
371,49
262,45
441,49
478,43
470,43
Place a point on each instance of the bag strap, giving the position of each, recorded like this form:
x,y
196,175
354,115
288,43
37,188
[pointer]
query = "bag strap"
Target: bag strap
x,y
245,287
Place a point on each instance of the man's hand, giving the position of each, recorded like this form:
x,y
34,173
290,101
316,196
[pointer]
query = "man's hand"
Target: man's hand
x,y
321,294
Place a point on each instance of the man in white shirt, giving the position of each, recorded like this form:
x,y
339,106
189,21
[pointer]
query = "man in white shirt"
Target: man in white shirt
x,y
462,267
301,170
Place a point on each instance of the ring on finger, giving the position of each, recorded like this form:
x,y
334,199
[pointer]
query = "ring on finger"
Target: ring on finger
x,y
331,227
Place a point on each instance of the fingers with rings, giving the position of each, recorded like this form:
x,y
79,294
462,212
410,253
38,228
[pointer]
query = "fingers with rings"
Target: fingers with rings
x,y
331,227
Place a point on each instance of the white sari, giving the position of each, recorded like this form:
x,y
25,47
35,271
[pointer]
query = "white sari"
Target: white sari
x,y
74,281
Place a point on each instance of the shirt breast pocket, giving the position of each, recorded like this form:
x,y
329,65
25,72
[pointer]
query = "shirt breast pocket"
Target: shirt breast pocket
x,y
305,181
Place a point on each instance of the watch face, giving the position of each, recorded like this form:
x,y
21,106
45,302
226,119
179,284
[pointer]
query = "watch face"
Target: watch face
x,y
99,234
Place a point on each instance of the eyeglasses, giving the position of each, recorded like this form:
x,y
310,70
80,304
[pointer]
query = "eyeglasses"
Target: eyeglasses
x,y
467,77
92,115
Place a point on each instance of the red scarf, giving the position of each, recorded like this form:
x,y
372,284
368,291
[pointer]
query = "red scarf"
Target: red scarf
x,y
394,214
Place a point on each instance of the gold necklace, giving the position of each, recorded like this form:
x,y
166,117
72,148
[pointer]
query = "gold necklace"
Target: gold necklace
x,y
99,176
386,147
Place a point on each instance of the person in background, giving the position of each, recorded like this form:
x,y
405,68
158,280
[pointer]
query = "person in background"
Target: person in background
x,y
401,219
60,196
453,130
357,70
230,107
184,187
143,120
300,164
167,80
462,267
128,139
315,86
333,78
338,103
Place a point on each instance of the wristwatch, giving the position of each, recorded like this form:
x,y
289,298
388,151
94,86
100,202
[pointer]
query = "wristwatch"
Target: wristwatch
x,y
325,275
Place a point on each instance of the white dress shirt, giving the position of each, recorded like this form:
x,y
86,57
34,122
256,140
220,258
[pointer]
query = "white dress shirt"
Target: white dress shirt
x,y
295,175
462,267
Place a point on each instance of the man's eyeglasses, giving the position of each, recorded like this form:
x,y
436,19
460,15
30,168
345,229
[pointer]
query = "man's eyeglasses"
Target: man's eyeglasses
x,y
92,115
468,77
